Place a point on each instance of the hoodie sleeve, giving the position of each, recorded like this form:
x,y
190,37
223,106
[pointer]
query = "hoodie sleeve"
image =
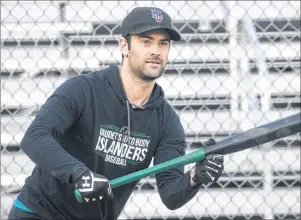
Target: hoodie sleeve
x,y
173,185
55,117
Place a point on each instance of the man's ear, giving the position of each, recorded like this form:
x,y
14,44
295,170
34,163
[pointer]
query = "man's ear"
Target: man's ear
x,y
123,45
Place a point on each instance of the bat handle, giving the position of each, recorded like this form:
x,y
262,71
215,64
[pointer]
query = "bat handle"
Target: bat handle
x,y
78,196
192,157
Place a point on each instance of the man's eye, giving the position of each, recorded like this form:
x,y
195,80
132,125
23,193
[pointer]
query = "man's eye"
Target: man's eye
x,y
164,43
146,42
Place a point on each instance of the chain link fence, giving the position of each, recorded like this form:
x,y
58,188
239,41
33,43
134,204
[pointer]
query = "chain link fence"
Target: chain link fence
x,y
237,66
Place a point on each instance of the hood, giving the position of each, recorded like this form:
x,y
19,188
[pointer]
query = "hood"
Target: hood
x,y
113,76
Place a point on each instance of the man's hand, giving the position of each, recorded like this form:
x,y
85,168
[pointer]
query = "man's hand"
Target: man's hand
x,y
208,170
93,186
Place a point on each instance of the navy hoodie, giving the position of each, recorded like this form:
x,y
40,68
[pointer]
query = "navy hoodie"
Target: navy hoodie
x,y
88,123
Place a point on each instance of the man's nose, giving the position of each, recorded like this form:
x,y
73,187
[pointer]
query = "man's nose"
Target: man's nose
x,y
155,51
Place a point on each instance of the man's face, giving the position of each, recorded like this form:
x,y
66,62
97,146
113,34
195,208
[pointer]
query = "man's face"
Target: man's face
x,y
148,54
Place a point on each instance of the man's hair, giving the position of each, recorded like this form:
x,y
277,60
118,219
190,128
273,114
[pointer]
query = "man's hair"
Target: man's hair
x,y
128,39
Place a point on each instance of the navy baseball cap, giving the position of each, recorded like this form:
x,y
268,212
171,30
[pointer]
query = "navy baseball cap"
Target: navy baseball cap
x,y
142,19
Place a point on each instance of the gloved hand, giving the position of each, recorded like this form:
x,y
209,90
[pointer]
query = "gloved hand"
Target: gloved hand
x,y
93,186
208,170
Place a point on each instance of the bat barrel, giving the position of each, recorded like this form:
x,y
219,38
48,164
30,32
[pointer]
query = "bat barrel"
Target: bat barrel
x,y
257,136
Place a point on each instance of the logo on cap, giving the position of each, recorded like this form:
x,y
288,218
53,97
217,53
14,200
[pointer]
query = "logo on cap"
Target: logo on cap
x,y
157,15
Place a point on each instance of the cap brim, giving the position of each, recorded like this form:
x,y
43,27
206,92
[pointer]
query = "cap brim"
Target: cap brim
x,y
174,35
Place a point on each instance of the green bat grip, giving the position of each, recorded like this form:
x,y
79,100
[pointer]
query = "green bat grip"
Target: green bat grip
x,y
192,157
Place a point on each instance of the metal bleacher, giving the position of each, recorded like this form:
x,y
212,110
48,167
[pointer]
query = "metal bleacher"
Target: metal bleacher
x,y
43,43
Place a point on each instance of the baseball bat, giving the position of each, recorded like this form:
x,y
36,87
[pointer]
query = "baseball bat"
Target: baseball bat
x,y
256,136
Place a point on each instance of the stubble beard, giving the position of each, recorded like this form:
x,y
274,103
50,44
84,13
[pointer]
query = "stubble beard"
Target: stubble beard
x,y
142,73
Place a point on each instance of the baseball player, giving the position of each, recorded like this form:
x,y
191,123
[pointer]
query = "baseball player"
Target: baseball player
x,y
107,124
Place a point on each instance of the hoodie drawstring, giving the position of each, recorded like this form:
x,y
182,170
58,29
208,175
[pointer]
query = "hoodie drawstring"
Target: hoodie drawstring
x,y
129,120
129,116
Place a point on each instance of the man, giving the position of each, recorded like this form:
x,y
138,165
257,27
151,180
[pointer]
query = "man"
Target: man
x,y
106,124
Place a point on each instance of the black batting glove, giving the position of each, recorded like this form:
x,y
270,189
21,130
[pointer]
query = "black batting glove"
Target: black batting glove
x,y
208,170
93,187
